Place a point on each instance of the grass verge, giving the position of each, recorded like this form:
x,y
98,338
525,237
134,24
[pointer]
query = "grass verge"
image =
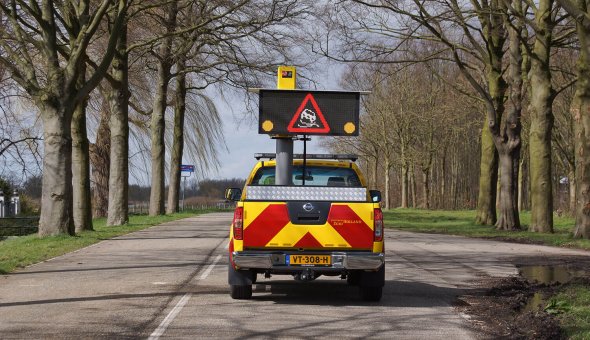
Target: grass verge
x,y
463,223
572,301
22,251
575,319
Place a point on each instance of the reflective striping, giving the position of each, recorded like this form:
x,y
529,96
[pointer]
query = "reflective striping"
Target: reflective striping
x,y
308,241
348,224
252,210
266,225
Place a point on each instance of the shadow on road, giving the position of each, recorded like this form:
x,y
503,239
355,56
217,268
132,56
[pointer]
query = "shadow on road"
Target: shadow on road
x,y
338,293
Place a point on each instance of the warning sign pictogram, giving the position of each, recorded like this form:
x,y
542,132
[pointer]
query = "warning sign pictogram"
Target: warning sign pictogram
x,y
308,118
298,112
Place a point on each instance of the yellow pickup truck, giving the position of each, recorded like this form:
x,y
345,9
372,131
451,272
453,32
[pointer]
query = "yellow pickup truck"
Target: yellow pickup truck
x,y
325,223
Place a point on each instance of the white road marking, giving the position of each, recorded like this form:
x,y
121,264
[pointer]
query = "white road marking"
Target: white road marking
x,y
170,317
227,244
174,312
210,268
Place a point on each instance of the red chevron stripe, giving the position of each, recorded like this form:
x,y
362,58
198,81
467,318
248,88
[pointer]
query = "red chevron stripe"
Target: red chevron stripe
x,y
350,226
308,241
266,225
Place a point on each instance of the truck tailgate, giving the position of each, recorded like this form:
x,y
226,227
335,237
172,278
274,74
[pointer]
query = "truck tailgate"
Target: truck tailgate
x,y
308,225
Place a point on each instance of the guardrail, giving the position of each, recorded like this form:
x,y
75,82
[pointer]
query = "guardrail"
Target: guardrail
x,y
18,226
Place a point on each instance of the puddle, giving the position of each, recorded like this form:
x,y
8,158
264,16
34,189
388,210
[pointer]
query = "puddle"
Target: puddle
x,y
549,275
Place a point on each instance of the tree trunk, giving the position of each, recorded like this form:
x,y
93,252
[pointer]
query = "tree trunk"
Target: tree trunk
x,y
443,190
56,197
157,126
100,160
387,175
375,170
494,30
508,218
413,186
507,137
118,213
81,170
157,141
488,179
541,124
178,140
521,189
571,177
454,181
580,110
426,188
404,184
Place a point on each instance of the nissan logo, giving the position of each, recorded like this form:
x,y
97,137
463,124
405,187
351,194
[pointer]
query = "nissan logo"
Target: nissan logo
x,y
308,207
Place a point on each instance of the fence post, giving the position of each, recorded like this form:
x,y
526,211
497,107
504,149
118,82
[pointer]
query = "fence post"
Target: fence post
x,y
1,204
15,200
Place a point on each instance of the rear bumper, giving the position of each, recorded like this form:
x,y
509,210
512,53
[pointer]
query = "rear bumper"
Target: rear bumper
x,y
276,260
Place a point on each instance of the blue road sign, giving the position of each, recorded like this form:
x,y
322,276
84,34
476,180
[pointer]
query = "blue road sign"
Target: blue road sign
x,y
187,168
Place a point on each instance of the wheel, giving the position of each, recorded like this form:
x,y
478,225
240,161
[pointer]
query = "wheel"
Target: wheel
x,y
353,278
371,293
240,292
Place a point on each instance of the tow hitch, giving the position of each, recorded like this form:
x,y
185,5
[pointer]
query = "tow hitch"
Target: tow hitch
x,y
306,275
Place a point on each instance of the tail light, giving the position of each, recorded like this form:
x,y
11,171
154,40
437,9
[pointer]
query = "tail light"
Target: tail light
x,y
378,225
238,223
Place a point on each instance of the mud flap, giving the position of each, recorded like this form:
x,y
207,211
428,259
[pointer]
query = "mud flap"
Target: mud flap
x,y
373,279
239,277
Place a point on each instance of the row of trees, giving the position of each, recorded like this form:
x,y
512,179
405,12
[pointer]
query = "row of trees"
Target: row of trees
x,y
419,135
433,66
515,60
131,64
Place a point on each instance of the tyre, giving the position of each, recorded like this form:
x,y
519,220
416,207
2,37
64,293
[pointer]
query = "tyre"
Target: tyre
x,y
240,292
371,293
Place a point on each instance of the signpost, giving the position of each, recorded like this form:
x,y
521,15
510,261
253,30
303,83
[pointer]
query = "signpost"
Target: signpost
x,y
186,170
286,113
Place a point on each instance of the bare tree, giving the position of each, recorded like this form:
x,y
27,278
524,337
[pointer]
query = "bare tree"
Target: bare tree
x,y
43,55
471,35
580,110
228,42
542,95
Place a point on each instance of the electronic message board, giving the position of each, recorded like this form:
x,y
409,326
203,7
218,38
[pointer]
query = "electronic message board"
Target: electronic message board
x,y
300,112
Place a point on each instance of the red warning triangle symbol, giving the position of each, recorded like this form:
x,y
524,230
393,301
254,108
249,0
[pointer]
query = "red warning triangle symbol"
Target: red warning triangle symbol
x,y
308,118
308,241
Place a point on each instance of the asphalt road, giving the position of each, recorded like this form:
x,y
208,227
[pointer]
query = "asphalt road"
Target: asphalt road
x,y
170,281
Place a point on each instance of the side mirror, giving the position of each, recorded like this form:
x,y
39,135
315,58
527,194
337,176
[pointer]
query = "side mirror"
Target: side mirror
x,y
233,194
375,196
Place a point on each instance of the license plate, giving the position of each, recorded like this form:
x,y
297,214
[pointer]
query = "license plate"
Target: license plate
x,y
310,260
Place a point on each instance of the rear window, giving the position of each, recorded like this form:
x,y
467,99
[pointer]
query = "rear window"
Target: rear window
x,y
315,176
